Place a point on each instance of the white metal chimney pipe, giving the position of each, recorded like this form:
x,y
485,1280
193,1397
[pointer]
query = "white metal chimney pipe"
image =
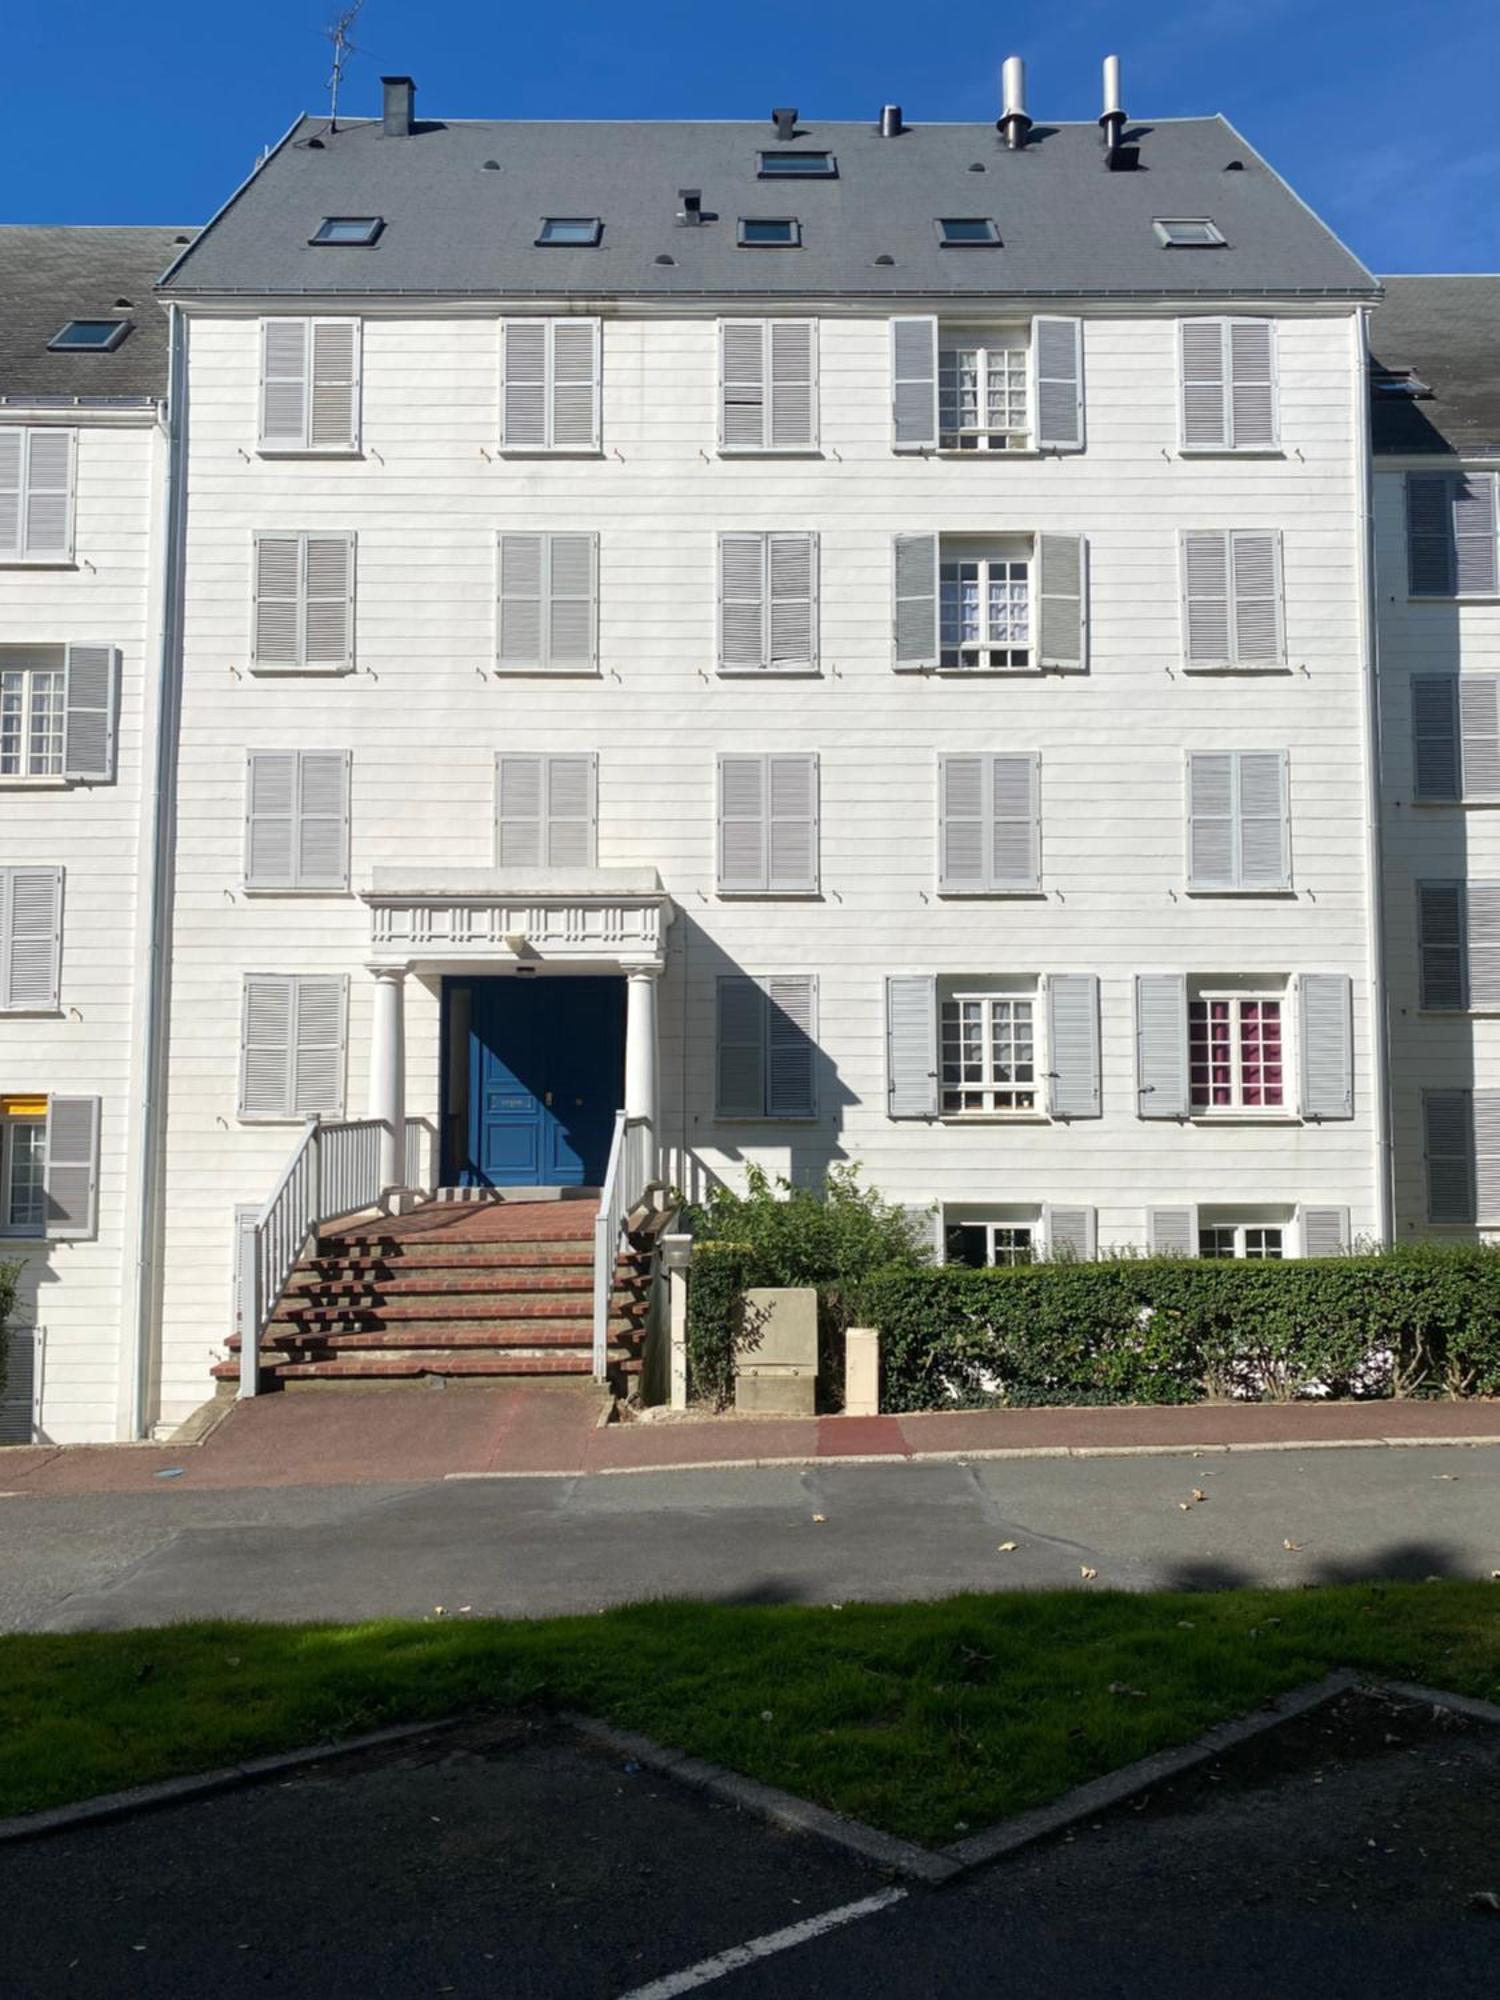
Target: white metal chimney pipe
x,y
1111,85
1112,118
1013,121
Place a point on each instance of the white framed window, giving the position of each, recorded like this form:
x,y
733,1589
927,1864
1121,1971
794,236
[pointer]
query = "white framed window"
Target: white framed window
x,y
1238,1058
992,1235
983,1245
988,1057
49,1168
23,1172
985,607
37,467
33,703
1260,1242
984,391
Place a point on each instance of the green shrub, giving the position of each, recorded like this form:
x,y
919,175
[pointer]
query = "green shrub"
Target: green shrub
x,y
1423,1321
834,1236
8,1276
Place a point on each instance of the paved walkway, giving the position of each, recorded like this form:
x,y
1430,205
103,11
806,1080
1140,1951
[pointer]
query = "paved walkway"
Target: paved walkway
x,y
349,1436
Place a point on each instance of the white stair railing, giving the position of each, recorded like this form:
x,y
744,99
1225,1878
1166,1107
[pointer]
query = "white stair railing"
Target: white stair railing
x,y
631,1170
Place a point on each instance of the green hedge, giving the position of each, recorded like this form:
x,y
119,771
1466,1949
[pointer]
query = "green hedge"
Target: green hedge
x,y
1423,1321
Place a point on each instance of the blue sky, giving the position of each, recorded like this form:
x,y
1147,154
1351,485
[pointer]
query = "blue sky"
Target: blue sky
x,y
1384,118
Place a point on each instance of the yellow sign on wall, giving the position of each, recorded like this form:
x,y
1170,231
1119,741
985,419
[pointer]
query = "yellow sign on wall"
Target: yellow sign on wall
x,y
24,1107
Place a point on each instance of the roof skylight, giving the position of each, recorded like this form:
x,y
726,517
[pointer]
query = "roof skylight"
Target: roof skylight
x,y
350,231
578,232
797,166
770,232
89,336
1187,233
967,232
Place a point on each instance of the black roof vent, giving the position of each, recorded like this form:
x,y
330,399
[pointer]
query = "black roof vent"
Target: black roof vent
x,y
1235,167
398,99
663,258
490,167
885,257
785,119
690,211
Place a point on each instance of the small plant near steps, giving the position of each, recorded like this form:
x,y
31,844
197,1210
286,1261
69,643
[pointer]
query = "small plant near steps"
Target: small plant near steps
x,y
453,1291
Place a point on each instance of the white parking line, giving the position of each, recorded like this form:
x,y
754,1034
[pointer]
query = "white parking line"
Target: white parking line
x,y
739,1955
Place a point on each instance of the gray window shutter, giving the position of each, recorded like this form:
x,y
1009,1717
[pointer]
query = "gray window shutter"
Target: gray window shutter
x,y
964,825
1205,415
915,570
329,595
792,571
520,796
47,495
266,1047
574,358
1062,601
1057,367
1161,1044
20,1390
743,843
318,1058
522,568
572,566
271,819
523,387
1440,946
1016,845
742,385
1436,769
1069,1233
1481,940
571,813
278,600
322,858
1448,1144
1486,1109
1474,533
1206,602
740,1049
794,385
12,450
1429,535
790,1029
1263,810
1479,730
911,1046
334,419
1172,1232
72,1171
1213,835
742,602
1325,1231
284,387
1252,365
1256,571
914,398
31,907
93,683
792,824
1073,1045
1327,1045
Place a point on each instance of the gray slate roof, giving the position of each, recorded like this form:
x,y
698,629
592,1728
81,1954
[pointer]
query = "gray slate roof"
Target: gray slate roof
x,y
49,275
1068,226
1446,329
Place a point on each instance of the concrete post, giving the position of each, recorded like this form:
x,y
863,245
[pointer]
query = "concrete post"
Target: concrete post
x,y
640,1046
861,1372
676,1253
387,1097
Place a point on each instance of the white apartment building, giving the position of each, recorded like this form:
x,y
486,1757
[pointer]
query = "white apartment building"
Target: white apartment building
x,y
83,382
1436,429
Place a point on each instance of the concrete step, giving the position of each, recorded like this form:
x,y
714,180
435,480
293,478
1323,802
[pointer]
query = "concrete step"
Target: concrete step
x,y
446,1281
372,1329
440,1309
395,1367
419,1254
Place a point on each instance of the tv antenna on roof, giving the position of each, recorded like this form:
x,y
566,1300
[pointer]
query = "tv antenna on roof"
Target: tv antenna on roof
x,y
344,47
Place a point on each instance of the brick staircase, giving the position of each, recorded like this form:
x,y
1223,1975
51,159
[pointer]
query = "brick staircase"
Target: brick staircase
x,y
456,1290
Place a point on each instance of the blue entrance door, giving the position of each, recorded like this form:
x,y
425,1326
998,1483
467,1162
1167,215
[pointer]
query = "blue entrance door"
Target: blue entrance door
x,y
546,1063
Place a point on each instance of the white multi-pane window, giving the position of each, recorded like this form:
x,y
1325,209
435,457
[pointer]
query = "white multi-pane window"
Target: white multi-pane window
x,y
1257,1241
987,1054
981,1245
982,394
23,1174
32,715
984,611
1236,1053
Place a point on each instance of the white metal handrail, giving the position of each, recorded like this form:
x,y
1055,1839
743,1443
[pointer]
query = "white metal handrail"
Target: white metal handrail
x,y
631,1170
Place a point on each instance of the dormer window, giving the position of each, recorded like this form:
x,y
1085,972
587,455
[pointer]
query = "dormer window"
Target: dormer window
x,y
570,232
780,232
89,336
968,232
347,231
1196,233
777,166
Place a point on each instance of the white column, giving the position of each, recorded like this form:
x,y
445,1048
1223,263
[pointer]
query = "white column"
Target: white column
x,y
387,1098
640,1046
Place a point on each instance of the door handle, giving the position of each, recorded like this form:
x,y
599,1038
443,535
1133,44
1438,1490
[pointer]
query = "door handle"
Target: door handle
x,y
546,1097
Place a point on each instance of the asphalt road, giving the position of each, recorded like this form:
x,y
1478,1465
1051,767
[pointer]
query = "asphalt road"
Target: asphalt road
x,y
824,1533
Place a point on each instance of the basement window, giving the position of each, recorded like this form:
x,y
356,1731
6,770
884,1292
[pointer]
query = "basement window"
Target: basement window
x,y
770,232
570,232
347,231
797,167
1193,233
89,336
968,232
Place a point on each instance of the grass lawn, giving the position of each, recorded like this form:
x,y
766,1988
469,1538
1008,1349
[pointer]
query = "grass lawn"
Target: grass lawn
x,y
923,1718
